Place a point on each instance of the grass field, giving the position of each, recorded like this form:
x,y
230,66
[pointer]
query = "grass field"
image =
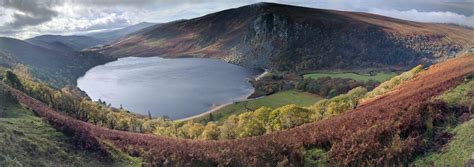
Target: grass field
x,y
26,140
379,76
276,100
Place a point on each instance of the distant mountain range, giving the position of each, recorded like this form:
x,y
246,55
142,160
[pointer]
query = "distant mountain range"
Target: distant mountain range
x,y
110,36
291,38
79,42
65,43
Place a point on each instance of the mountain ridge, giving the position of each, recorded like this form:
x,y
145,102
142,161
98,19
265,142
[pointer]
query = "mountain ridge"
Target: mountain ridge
x,y
291,38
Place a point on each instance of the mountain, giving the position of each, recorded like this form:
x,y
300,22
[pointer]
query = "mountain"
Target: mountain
x,y
110,36
79,42
65,43
57,67
290,38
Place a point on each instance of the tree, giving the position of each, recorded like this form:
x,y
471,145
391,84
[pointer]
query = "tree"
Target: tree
x,y
211,118
12,79
318,109
288,116
228,128
112,120
211,132
249,126
171,131
190,130
150,125
195,130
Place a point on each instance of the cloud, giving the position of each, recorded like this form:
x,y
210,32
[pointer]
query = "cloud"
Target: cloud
x,y
430,17
29,13
459,12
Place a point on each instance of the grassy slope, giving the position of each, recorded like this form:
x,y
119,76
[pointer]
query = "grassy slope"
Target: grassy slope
x,y
380,76
458,152
460,149
276,100
26,140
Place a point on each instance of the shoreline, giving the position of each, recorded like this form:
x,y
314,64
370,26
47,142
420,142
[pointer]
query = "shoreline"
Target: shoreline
x,y
213,109
218,107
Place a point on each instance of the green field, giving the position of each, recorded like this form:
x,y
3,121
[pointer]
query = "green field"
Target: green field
x,y
26,140
276,100
379,76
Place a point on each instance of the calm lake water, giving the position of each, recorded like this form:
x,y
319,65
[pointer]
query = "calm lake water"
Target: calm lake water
x,y
177,88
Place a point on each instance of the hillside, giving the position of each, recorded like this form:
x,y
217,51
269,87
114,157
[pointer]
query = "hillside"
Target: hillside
x,y
393,128
53,66
282,37
29,141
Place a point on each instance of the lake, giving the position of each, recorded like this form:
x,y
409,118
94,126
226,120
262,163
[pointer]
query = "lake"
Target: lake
x,y
177,88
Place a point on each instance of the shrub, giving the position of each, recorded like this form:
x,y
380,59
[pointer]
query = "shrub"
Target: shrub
x,y
394,82
337,105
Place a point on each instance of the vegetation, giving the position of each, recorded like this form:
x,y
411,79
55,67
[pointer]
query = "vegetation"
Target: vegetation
x,y
330,87
461,148
273,101
271,83
337,105
392,83
26,140
71,101
378,76
316,157
263,120
461,95
457,152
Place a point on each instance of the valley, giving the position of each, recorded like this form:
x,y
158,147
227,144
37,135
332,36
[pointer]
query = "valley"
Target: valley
x,y
263,84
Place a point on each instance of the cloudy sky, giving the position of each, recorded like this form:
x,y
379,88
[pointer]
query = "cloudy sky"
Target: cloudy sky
x,y
28,18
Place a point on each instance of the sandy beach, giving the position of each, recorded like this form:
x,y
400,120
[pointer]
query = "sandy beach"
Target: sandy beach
x,y
216,108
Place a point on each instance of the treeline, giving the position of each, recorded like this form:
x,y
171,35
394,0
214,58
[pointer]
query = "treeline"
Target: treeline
x,y
330,87
272,83
264,120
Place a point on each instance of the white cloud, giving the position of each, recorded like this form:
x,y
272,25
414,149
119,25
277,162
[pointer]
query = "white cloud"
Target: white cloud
x,y
433,17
